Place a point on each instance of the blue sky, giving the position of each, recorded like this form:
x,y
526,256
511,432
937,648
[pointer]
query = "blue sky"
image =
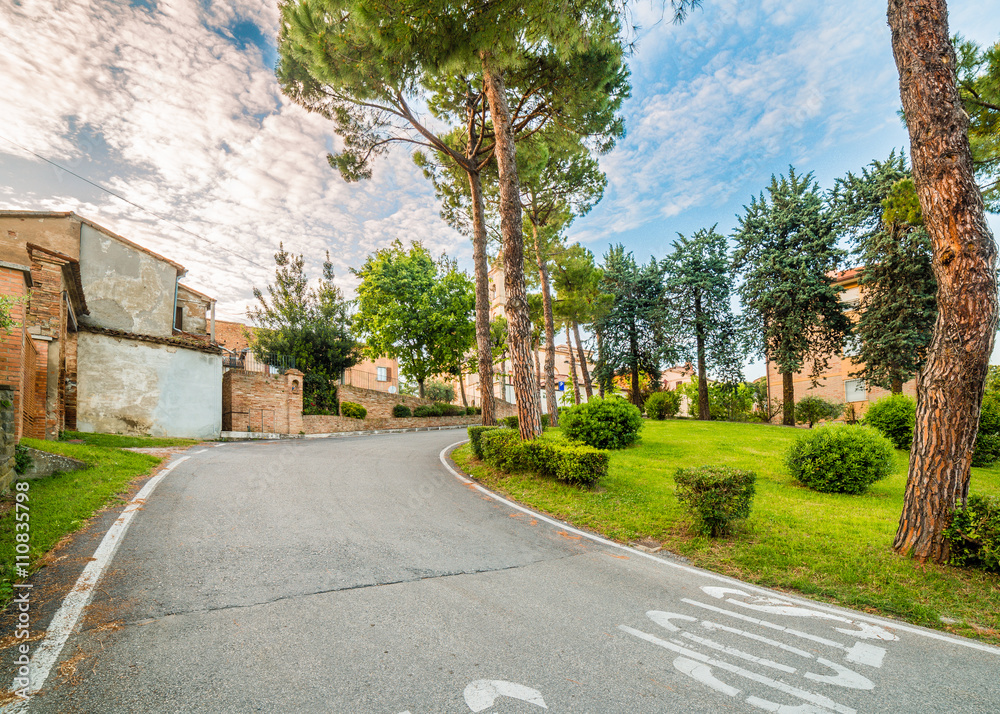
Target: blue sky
x,y
174,105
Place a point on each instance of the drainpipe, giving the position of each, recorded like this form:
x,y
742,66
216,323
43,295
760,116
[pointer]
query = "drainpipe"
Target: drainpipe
x,y
212,330
173,320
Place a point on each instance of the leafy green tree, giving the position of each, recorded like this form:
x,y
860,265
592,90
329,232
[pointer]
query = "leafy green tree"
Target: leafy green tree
x,y
811,409
786,252
633,331
580,300
439,391
880,211
979,86
700,285
312,325
415,309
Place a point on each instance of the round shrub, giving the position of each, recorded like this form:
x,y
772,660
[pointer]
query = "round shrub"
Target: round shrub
x,y
974,534
470,411
661,405
812,409
401,411
609,423
987,449
838,458
352,410
717,496
509,422
894,416
427,410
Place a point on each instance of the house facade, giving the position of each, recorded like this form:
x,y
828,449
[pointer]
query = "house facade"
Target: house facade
x,y
836,383
99,347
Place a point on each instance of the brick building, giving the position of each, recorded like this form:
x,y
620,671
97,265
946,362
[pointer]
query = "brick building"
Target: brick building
x,y
97,347
836,383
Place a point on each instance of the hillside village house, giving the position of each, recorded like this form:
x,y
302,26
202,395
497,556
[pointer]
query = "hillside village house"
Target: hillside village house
x,y
503,389
836,383
109,339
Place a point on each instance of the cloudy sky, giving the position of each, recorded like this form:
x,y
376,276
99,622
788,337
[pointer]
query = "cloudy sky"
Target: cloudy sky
x,y
173,104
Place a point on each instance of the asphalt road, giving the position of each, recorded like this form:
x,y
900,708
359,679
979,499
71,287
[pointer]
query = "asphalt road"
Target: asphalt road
x,y
359,575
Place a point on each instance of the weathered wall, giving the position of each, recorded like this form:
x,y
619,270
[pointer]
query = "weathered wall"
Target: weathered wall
x,y
195,309
59,233
132,387
318,424
8,436
12,344
126,288
255,401
378,403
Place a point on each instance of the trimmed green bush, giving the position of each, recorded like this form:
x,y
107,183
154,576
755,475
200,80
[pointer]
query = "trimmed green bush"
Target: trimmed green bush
x,y
974,534
509,422
546,421
501,449
661,405
894,416
475,432
717,496
839,458
609,423
573,463
470,411
812,409
401,411
987,449
427,410
450,410
353,410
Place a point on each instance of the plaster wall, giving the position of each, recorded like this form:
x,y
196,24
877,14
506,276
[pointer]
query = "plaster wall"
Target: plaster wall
x,y
127,289
131,387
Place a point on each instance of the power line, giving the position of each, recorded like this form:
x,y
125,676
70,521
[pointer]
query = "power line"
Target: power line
x,y
132,203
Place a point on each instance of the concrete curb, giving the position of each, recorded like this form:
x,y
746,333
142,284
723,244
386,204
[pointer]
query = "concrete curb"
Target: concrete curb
x,y
261,436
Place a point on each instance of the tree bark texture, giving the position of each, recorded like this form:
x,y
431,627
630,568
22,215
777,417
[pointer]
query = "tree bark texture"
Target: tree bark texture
x,y
484,348
572,366
788,399
584,371
704,412
518,318
897,385
550,333
950,385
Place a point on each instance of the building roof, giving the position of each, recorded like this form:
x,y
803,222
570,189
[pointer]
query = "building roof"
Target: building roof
x,y
196,292
181,270
232,335
844,276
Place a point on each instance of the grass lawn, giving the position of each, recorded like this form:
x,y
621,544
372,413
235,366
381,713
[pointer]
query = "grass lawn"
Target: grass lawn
x,y
60,504
830,547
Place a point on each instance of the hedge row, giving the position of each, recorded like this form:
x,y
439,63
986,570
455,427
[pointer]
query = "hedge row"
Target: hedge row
x,y
502,448
401,411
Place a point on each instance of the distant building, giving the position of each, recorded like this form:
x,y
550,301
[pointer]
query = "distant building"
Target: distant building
x,y
836,383
109,340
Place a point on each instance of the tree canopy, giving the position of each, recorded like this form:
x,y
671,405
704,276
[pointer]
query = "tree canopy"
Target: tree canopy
x,y
979,86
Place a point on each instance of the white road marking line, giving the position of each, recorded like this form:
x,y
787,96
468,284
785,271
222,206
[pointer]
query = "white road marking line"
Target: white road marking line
x,y
712,644
481,694
811,697
971,644
785,708
201,451
708,624
69,612
844,677
703,674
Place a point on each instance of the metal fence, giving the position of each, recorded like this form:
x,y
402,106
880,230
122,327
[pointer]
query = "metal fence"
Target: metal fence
x,y
247,362
365,380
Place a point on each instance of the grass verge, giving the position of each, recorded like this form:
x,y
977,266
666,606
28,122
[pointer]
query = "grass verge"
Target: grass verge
x,y
61,504
830,547
119,441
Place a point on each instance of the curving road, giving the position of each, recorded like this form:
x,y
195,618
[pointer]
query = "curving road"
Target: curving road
x,y
359,575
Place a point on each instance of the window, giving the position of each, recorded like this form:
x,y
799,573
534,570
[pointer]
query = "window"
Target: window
x,y
179,318
854,390
382,374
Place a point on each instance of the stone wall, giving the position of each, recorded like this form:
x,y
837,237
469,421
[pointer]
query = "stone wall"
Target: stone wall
x,y
259,402
317,424
8,436
380,404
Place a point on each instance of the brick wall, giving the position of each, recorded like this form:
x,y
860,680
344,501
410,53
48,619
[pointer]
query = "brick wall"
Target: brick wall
x,y
29,421
318,424
8,436
380,404
12,283
254,401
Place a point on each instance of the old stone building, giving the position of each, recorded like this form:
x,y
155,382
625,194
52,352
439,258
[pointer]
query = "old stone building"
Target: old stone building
x,y
99,348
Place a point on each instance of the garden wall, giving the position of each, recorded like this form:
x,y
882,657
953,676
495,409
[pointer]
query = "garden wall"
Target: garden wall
x,y
8,436
255,401
319,424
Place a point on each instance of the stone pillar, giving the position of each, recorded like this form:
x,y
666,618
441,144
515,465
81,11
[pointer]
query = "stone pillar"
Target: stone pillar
x,y
8,436
293,382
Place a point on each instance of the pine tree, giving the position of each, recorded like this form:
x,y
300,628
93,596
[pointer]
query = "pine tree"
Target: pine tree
x,y
979,85
879,209
786,252
700,285
633,331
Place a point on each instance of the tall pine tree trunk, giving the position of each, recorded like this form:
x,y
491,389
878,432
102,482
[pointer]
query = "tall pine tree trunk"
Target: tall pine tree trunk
x,y
897,385
461,388
600,385
518,319
704,411
950,385
634,346
583,361
572,366
484,349
550,332
788,399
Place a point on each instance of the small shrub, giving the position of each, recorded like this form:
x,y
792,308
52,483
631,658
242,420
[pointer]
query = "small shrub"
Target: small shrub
x,y
609,423
894,416
427,410
451,410
717,496
22,459
661,405
470,411
475,432
546,421
353,410
987,449
401,411
838,458
540,457
810,410
573,463
851,414
502,449
974,534
509,422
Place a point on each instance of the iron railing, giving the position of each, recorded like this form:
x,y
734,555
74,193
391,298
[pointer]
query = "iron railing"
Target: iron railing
x,y
248,362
